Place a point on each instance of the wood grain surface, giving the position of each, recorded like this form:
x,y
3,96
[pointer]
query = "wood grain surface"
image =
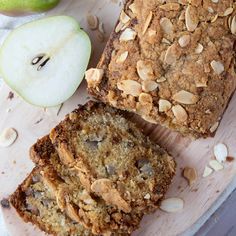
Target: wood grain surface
x,y
32,123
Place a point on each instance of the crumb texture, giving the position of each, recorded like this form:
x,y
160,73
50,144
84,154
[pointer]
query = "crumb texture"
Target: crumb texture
x,y
113,158
172,62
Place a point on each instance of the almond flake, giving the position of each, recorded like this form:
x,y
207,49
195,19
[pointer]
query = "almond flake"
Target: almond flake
x,y
172,205
170,6
166,41
214,127
161,79
92,22
133,8
8,137
147,22
147,196
170,56
119,27
128,35
214,18
207,171
149,85
220,152
122,57
190,174
191,18
94,76
124,18
164,105
185,97
215,1
218,67
101,28
210,10
215,165
199,48
179,113
145,98
184,40
233,25
145,70
228,11
131,87
166,26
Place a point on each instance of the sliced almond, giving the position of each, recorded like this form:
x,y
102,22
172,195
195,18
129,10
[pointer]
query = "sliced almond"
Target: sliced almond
x,y
128,35
190,174
145,70
131,87
164,105
133,8
215,1
214,18
207,171
218,67
149,85
147,22
123,56
161,79
179,113
94,76
210,10
199,48
184,40
92,22
147,196
144,106
228,11
233,25
124,18
172,205
220,152
170,56
185,97
170,6
101,28
105,189
145,98
214,127
8,137
166,26
191,18
215,165
119,27
166,41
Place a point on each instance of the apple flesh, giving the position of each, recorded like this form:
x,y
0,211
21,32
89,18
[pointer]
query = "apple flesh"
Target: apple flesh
x,y
24,7
44,61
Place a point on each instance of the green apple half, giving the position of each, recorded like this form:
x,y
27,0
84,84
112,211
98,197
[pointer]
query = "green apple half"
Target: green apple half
x,y
44,61
21,7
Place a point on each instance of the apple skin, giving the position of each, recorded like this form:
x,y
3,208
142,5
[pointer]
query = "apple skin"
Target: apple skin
x,y
25,7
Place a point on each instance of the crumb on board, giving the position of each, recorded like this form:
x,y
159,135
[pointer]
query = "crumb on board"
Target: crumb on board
x,y
5,203
10,95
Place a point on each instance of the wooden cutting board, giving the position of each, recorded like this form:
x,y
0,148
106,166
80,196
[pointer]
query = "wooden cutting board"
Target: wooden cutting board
x,y
32,123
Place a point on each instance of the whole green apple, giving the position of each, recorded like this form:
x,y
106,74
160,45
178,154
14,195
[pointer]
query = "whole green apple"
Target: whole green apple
x,y
24,7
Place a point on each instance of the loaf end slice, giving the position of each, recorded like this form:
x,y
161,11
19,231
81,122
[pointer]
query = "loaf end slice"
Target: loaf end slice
x,y
35,203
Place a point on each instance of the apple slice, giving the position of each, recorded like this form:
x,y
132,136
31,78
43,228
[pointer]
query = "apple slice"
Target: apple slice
x,y
44,61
